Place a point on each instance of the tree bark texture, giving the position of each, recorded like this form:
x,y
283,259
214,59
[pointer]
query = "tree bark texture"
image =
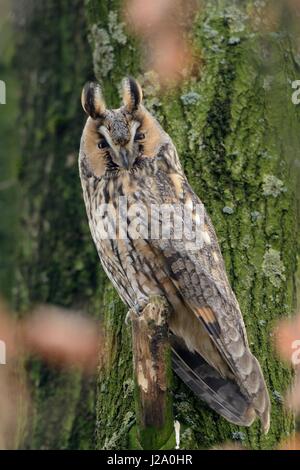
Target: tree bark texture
x,y
9,151
56,260
153,377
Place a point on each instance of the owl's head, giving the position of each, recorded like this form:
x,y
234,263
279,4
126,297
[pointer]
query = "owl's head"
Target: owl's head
x,y
119,139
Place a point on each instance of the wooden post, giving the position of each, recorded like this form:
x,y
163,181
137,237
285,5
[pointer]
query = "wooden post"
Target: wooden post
x,y
153,374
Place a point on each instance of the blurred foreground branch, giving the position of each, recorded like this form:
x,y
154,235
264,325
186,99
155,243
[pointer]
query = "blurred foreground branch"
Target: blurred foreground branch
x,y
59,337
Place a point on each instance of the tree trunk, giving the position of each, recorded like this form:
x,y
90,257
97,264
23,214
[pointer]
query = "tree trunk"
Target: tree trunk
x,y
234,140
57,263
235,144
8,157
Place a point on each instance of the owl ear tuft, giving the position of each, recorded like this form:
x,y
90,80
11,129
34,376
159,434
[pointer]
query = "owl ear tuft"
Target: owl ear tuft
x,y
92,100
132,94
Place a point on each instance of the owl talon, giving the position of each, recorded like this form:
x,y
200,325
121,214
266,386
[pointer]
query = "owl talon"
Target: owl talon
x,y
128,316
140,305
137,309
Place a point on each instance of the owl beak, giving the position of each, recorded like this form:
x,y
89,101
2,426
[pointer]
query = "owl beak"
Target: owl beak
x,y
125,159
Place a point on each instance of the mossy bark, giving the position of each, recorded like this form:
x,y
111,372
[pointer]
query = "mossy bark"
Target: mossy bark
x,y
235,142
235,129
8,157
56,258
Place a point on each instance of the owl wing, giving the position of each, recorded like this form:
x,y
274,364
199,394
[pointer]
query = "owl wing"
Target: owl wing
x,y
200,278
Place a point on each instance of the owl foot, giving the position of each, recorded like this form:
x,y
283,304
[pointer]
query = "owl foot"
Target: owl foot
x,y
128,317
137,309
155,302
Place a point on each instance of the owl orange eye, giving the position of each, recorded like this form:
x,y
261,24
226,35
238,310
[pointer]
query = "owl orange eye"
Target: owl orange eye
x,y
139,136
103,144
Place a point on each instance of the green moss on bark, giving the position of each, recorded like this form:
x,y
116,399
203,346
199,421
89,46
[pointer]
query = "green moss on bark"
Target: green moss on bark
x,y
8,157
57,260
231,136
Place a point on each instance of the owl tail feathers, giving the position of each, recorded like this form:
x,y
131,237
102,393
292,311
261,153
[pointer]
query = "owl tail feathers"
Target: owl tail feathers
x,y
259,397
265,419
222,395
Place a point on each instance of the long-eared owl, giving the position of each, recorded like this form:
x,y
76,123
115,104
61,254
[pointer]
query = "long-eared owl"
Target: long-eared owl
x,y
136,193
